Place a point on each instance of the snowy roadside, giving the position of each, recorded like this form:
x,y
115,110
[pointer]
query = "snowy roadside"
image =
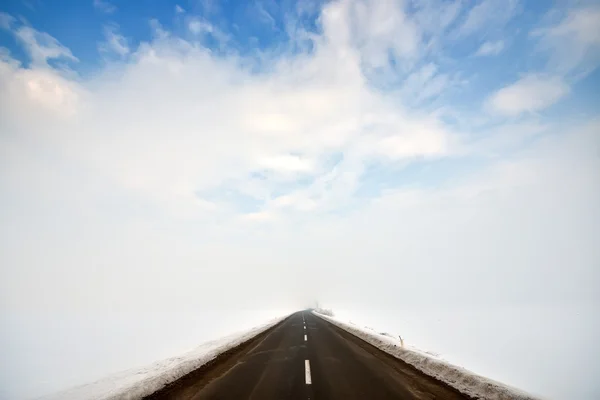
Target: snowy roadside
x,y
463,380
139,382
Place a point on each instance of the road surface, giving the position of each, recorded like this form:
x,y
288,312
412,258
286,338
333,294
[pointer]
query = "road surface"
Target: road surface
x,y
305,357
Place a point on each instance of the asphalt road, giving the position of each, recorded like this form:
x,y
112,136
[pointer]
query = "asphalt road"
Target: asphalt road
x,y
306,357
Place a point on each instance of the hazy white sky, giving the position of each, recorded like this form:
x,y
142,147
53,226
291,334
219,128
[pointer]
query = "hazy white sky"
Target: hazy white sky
x,y
429,167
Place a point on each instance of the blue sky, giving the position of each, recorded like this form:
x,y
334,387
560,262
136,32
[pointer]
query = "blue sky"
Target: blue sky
x,y
418,152
80,26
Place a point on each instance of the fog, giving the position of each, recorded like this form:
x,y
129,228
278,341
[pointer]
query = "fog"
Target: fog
x,y
177,195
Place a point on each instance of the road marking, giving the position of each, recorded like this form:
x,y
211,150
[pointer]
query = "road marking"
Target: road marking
x,y
307,372
305,338
304,327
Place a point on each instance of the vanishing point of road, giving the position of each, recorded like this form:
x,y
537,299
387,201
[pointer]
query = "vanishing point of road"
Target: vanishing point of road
x,y
305,357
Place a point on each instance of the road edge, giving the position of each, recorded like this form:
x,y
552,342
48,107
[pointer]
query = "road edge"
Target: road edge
x,y
140,382
220,358
458,378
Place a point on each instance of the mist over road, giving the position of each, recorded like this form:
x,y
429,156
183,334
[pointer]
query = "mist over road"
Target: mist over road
x,y
306,357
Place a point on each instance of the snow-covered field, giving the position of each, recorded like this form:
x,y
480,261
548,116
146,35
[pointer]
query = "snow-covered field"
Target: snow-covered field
x,y
140,382
432,364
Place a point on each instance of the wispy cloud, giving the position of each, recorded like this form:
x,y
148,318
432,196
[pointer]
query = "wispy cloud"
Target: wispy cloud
x,y
490,48
6,21
114,41
104,6
203,29
486,15
263,15
199,26
40,46
573,43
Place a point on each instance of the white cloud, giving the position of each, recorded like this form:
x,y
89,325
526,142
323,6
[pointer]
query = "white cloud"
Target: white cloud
x,y
582,24
420,142
287,163
529,94
573,42
299,201
490,48
198,26
260,216
179,9
115,42
201,28
102,180
290,121
40,88
104,6
374,28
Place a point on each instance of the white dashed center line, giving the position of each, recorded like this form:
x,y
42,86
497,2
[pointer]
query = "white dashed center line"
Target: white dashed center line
x,y
307,372
305,339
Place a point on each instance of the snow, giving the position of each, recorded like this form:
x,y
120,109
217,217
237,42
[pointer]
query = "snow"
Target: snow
x,y
432,364
139,382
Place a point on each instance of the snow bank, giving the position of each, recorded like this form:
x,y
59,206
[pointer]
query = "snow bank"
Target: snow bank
x,y
431,364
137,383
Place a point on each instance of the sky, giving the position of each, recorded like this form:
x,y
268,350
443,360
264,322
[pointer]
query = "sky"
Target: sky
x,y
175,171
